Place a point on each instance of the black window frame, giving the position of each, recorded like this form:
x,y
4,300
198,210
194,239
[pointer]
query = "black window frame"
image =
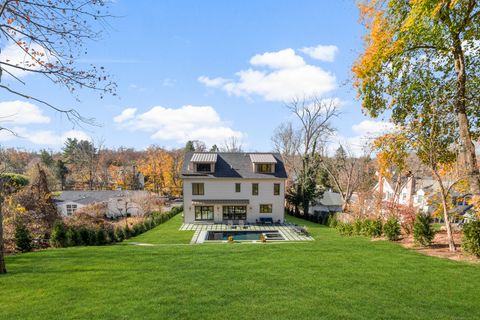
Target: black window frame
x,y
204,211
255,189
196,190
234,212
267,205
261,167
238,187
276,189
204,164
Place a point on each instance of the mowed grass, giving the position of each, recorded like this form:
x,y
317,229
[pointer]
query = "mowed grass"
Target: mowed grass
x,y
332,277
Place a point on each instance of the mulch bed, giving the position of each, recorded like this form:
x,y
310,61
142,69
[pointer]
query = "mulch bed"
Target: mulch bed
x,y
439,247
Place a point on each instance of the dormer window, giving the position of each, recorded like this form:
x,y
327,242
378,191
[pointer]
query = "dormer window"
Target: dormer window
x,y
204,167
264,168
203,162
263,162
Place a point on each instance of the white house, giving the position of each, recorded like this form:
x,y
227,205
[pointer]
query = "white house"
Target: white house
x,y
119,203
233,186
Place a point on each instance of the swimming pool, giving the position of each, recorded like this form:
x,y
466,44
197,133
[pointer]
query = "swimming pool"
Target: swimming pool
x,y
243,235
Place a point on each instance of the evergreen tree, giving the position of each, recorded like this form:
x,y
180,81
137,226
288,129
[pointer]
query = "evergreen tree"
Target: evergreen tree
x,y
189,147
423,232
23,238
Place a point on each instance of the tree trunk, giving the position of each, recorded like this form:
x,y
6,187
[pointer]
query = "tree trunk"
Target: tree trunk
x,y
2,259
444,194
451,242
468,147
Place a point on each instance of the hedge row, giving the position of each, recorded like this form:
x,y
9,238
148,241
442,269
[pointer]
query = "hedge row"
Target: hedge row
x,y
68,236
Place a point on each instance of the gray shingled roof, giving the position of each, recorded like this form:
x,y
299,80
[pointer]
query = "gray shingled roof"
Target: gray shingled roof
x,y
235,165
88,197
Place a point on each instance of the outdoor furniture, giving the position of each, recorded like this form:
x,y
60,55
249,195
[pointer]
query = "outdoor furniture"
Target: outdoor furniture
x,y
266,220
242,225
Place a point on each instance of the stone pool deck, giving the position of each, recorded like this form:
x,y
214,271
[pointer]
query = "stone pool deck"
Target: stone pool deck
x,y
286,230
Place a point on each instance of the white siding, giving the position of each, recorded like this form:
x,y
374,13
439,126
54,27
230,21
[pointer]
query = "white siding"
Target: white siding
x,y
224,188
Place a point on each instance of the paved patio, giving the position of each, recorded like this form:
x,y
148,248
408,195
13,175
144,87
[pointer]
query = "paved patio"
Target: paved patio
x,y
288,231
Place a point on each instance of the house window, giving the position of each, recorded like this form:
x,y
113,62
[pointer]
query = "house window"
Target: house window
x,y
265,208
198,189
404,196
255,189
204,167
71,208
276,189
234,212
264,168
238,187
203,212
420,199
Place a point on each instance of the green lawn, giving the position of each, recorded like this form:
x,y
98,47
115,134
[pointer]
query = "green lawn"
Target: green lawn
x,y
333,277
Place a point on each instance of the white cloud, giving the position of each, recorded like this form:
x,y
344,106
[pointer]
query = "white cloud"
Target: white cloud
x,y
126,114
215,82
21,112
42,137
364,133
286,76
371,127
14,55
182,124
322,53
282,59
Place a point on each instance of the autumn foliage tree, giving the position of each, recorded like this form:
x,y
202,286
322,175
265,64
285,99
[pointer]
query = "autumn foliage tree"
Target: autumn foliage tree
x,y
410,43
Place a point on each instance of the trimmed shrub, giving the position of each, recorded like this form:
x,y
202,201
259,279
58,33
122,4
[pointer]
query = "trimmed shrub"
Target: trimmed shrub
x,y
101,237
374,228
127,233
345,229
358,227
111,235
332,221
423,232
72,237
471,238
58,237
23,238
119,235
391,229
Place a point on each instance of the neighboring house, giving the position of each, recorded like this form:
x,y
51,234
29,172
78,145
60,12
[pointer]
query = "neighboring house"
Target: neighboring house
x,y
118,202
421,193
223,186
329,202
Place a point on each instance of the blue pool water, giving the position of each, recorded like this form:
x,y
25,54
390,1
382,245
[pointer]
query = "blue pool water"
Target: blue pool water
x,y
239,235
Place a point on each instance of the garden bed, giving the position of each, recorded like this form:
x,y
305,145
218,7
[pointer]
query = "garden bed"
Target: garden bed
x,y
439,247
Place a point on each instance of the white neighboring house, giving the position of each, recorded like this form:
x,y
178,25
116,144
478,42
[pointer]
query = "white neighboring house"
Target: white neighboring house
x,y
219,187
118,202
417,191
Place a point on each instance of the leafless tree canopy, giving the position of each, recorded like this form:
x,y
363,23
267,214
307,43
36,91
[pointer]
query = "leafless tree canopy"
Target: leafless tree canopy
x,y
49,35
231,144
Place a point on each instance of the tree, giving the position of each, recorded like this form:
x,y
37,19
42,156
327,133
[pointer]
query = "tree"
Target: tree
x,y
232,144
61,172
412,42
306,143
23,238
49,36
214,148
9,183
46,158
189,147
348,173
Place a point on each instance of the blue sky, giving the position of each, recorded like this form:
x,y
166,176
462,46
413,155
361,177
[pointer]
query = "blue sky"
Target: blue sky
x,y
204,70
